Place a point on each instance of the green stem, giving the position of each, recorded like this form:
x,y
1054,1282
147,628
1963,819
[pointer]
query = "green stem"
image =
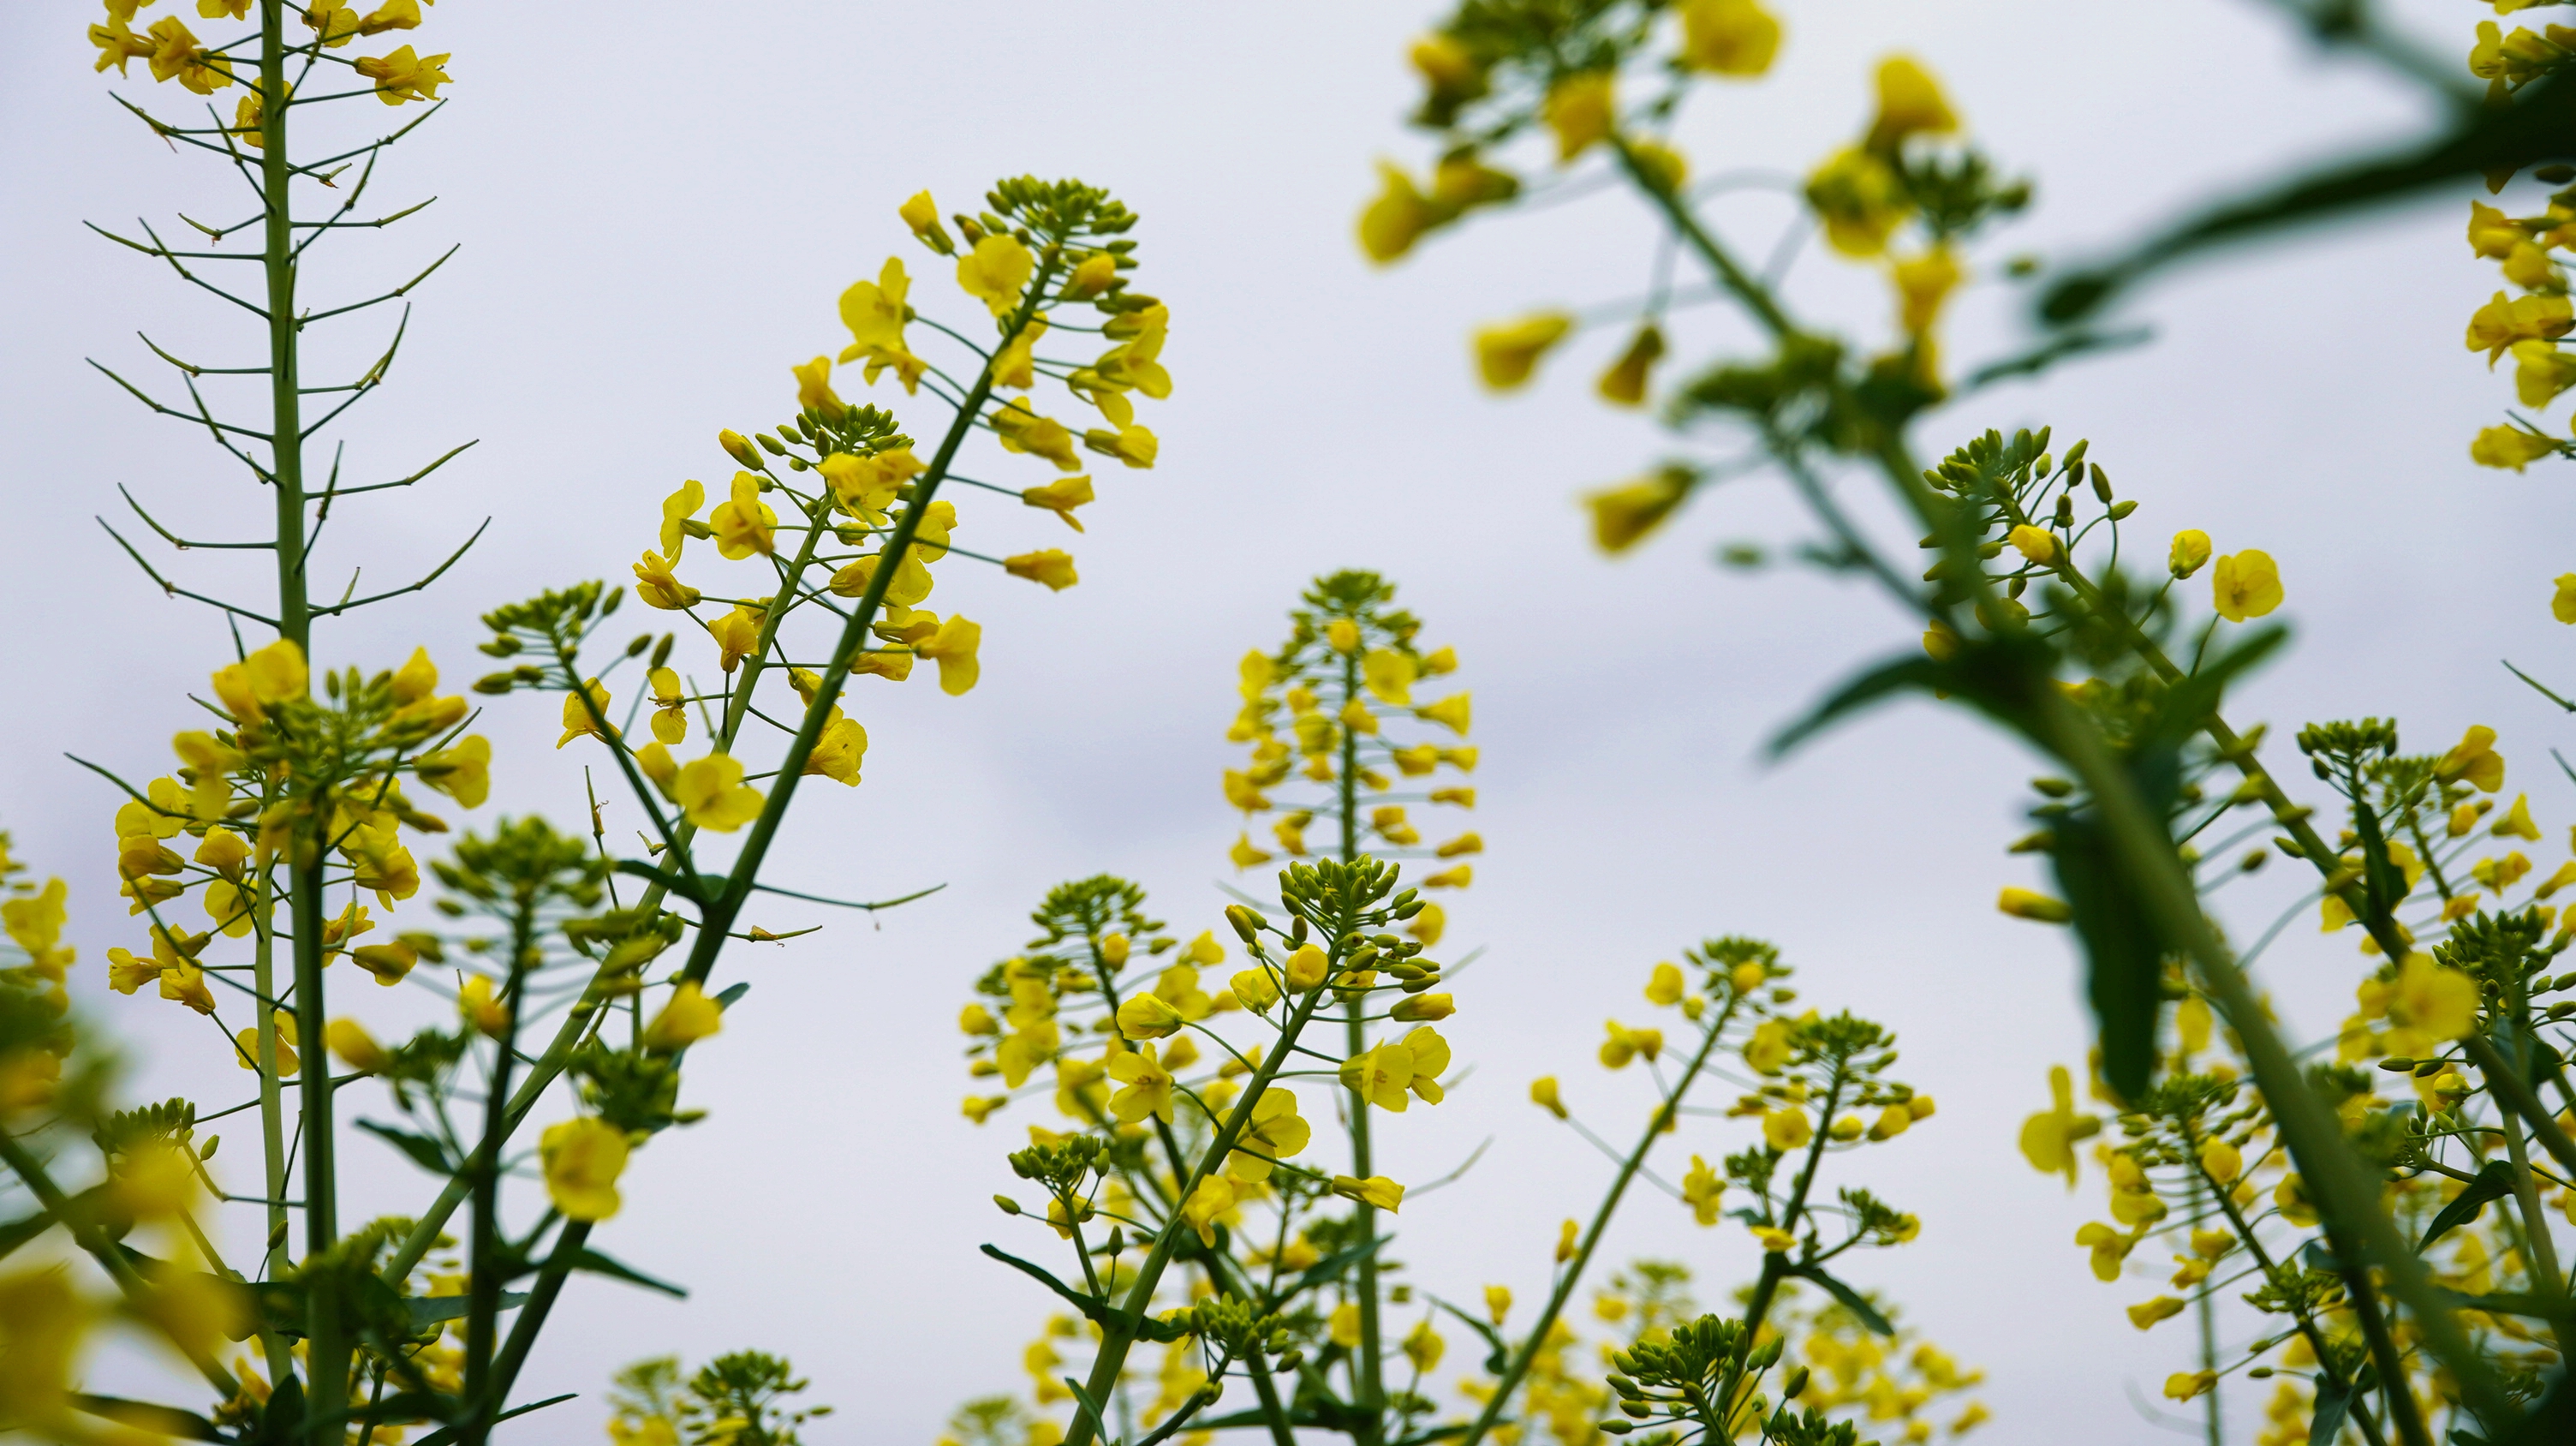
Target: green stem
x,y
1119,1339
718,915
1519,1365
484,1264
2299,1316
1368,1383
272,1109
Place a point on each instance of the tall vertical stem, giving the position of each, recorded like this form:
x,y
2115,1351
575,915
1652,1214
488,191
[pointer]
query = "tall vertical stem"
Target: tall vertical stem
x,y
1370,1390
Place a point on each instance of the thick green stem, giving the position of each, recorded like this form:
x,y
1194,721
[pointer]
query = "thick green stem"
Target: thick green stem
x,y
1518,1367
286,406
1367,1381
272,1109
484,1264
2299,1316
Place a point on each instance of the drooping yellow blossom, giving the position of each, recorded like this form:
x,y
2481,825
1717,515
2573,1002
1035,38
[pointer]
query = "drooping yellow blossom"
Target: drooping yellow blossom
x,y
1021,429
1775,1241
2163,1307
1389,224
1060,497
1148,1086
1625,1044
583,1158
921,214
2474,761
840,750
1507,355
953,647
1581,109
356,1048
711,793
2048,1138
2109,1247
1922,285
2496,326
1734,38
461,770
2038,908
1622,516
688,1017
1624,384
2511,447
1909,103
2245,585
1211,1198
266,678
1049,566
404,76
995,271
1376,1191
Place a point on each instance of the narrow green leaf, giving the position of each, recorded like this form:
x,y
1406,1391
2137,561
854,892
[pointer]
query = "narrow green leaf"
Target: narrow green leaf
x,y
425,1152
2493,1182
598,1264
1850,1299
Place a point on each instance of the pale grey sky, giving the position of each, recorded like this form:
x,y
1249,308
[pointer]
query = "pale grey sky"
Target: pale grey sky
x,y
659,203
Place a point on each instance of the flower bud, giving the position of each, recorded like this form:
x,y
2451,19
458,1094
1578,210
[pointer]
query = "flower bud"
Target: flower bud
x,y
1247,924
738,447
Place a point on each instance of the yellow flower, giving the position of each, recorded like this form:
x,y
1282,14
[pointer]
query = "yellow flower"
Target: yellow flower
x,y
404,76
1306,968
2473,761
1701,1189
2510,447
1015,365
2036,543
1060,497
1625,1044
670,705
2541,372
1788,1129
2516,822
922,215
1423,1347
658,588
1940,641
2439,1001
1565,1235
1624,384
814,383
1508,354
1398,217
1775,1241
2048,1138
1147,1016
1211,1198
1021,429
1274,1133
1243,854
2183,1385
677,509
2190,549
476,1004
2496,326
1377,1191
2245,585
911,582
2222,1161
2110,1248
1769,1048
246,1047
743,524
1860,200
1922,285
1581,109
1049,566
2039,908
994,272
1148,1086
1134,446
263,680
2562,601
1543,1093
711,793
1909,103
1728,37
587,718
953,647
839,751
356,1048
2163,1307
690,1016
583,1158
1622,516
1255,990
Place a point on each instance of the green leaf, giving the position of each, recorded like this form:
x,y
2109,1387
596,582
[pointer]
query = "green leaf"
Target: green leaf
x,y
425,1152
431,1309
2124,956
2493,1182
2334,1399
732,992
446,1435
2534,127
159,1420
1092,1306
598,1264
1997,676
1850,1299
1500,1354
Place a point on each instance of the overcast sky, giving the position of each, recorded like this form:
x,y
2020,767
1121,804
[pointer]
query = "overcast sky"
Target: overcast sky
x,y
658,205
